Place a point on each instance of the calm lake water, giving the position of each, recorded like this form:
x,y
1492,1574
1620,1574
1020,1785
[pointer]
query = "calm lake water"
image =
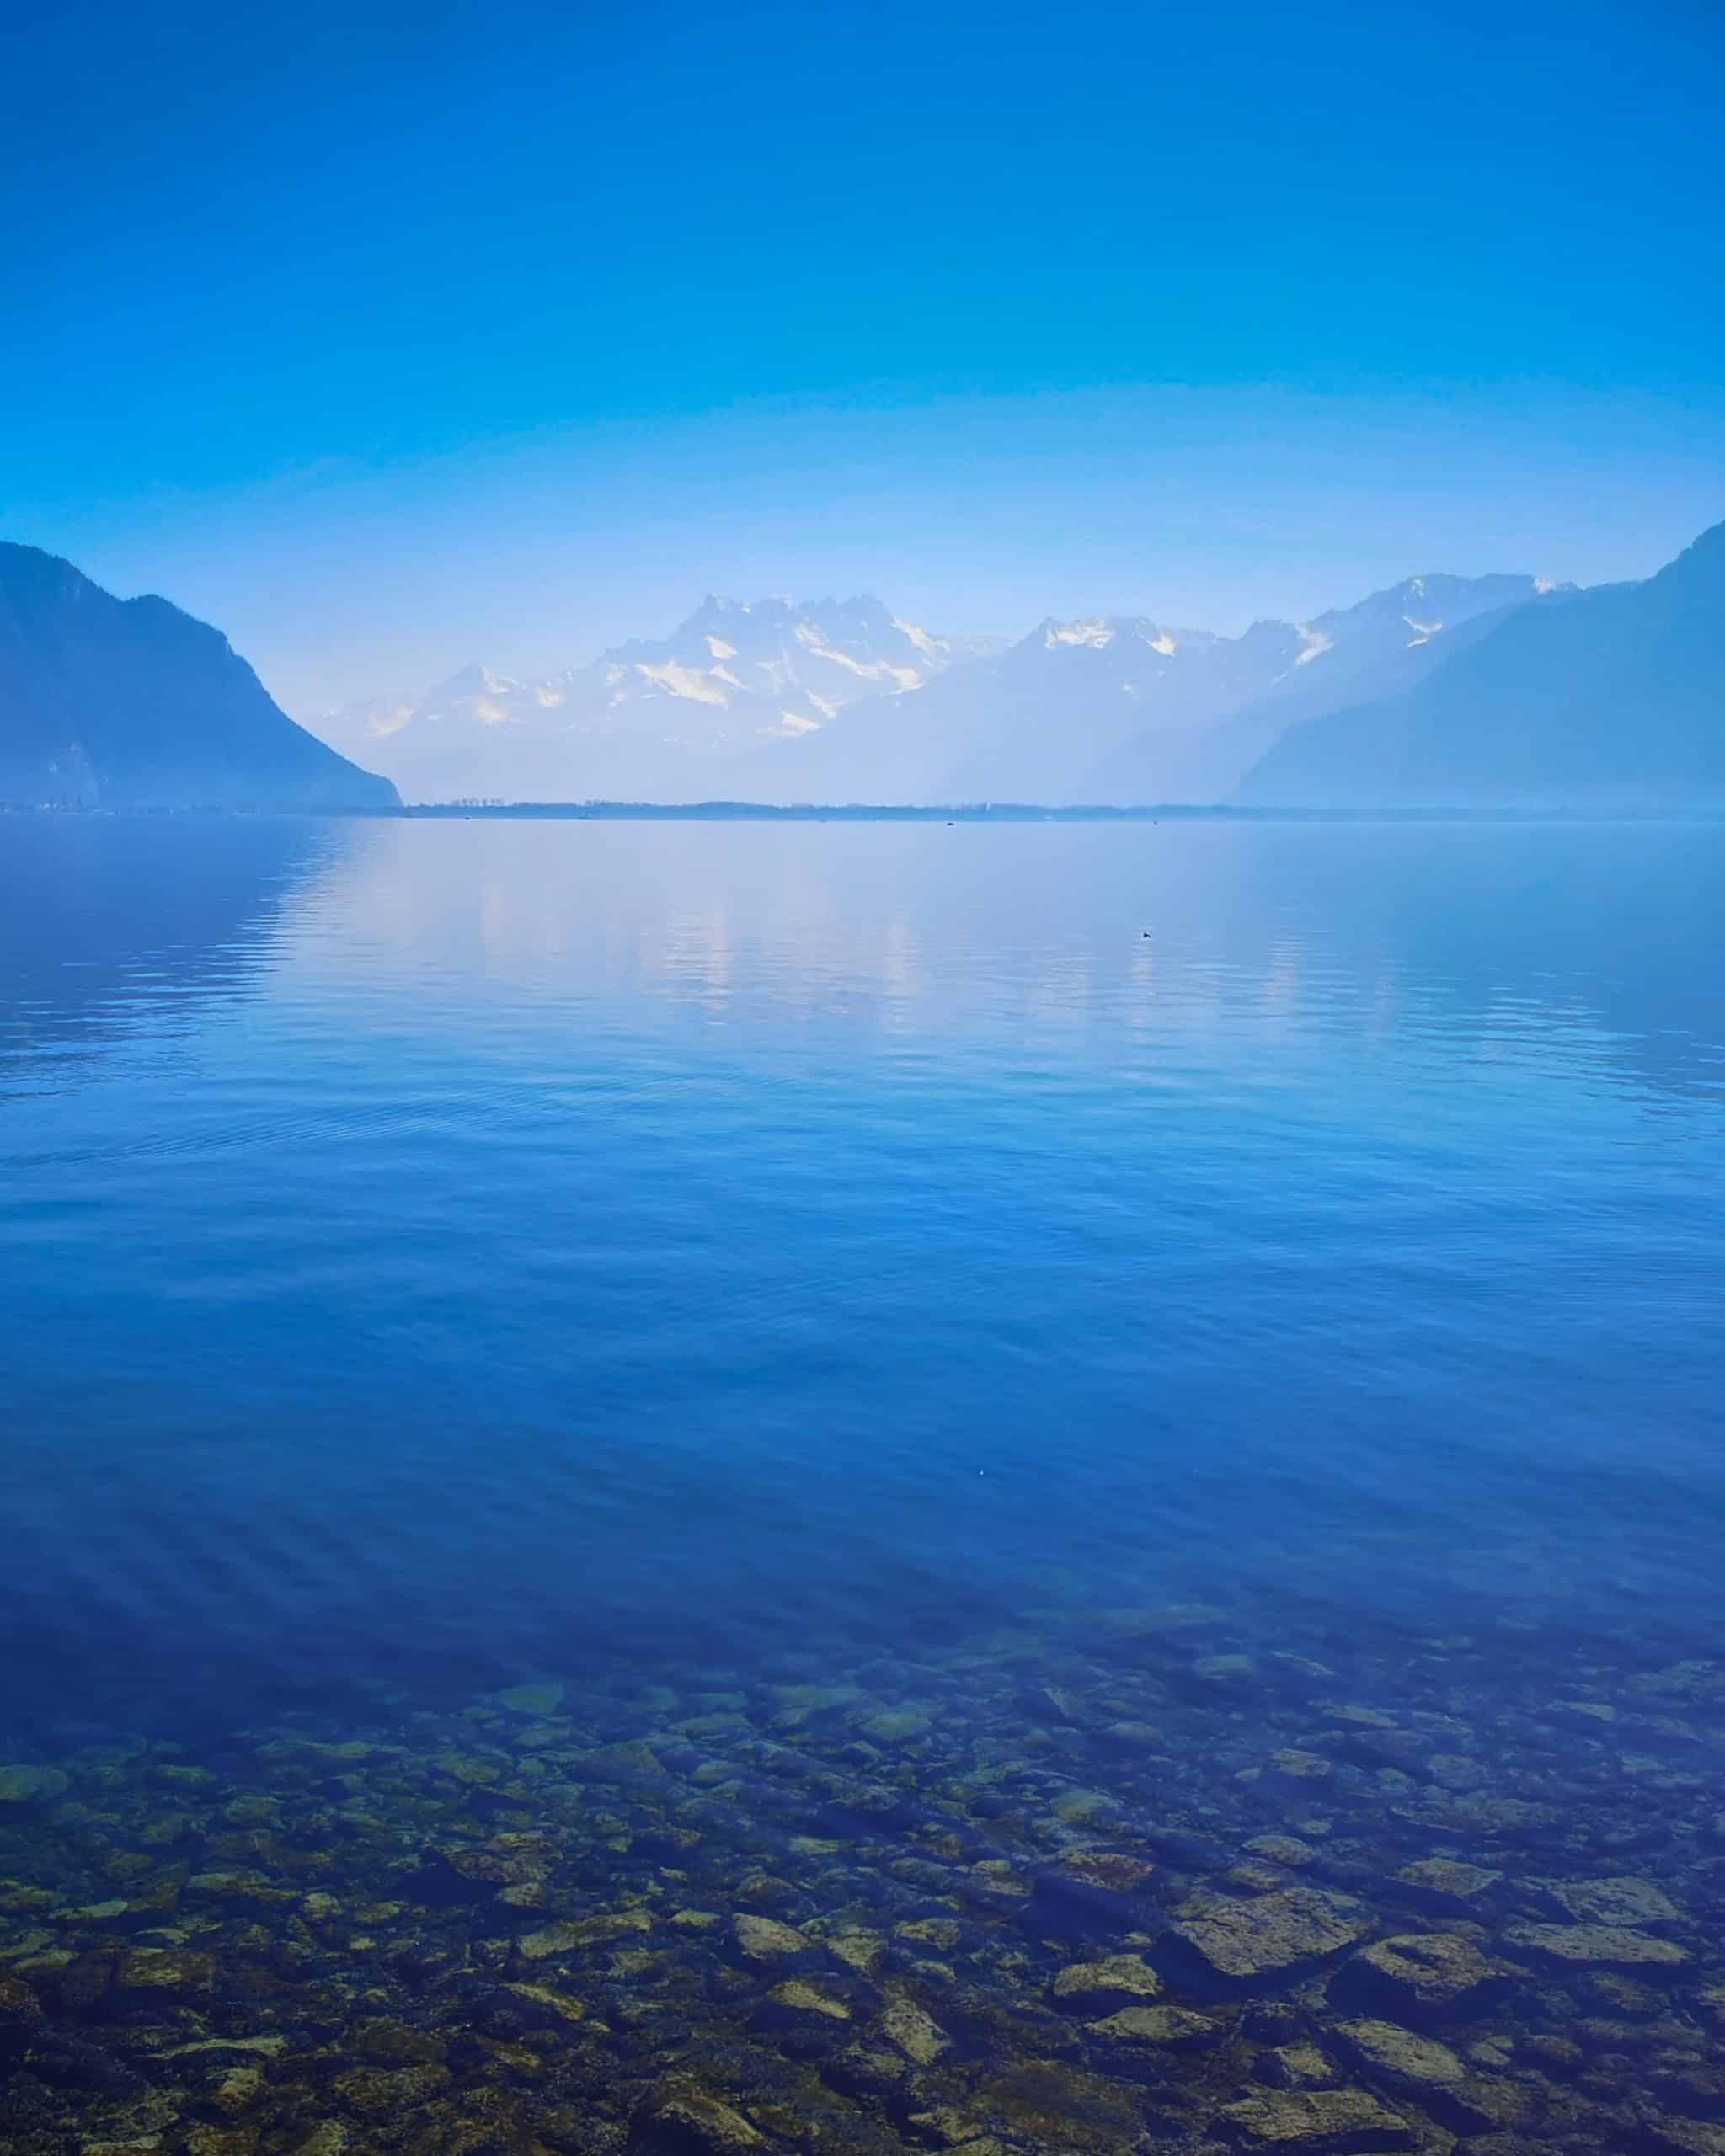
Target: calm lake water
x,y
1061,1323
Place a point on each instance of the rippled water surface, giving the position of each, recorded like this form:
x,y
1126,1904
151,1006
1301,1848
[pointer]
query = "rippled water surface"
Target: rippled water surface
x,y
998,1350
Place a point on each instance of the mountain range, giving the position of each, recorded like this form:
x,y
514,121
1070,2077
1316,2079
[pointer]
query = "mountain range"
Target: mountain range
x,y
1442,691
843,701
665,720
1126,710
1611,699
126,703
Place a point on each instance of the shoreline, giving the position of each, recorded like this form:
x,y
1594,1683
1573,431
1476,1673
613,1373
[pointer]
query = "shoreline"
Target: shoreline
x,y
748,812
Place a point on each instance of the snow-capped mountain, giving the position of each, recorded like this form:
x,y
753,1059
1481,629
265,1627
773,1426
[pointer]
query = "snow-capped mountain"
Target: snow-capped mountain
x,y
651,720
1034,722
1126,710
841,700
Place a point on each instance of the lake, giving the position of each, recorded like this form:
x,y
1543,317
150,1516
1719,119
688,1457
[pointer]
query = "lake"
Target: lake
x,y
723,1485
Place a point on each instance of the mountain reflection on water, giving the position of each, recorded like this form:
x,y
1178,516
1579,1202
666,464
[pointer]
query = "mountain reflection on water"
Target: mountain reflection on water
x,y
134,924
1000,1399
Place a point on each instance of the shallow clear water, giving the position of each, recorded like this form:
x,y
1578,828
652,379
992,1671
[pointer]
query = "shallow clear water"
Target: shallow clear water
x,y
672,1261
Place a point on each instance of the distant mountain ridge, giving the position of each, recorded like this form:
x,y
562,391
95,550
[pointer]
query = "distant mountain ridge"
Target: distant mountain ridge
x,y
653,719
1033,722
784,701
1386,642
1494,692
129,703
1612,698
1128,710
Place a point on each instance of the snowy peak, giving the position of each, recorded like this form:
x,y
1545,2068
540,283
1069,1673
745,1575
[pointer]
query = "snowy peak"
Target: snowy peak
x,y
831,699
652,713
1422,607
1132,634
1093,636
473,696
788,663
1034,722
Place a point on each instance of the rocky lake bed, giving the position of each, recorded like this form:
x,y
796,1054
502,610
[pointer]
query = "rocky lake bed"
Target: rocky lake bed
x,y
1122,1880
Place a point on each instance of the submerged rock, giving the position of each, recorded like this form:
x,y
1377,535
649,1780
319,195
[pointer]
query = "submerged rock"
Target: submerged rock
x,y
1445,1884
1418,1977
1445,2085
1176,2028
1294,2066
762,1939
1630,1901
631,1766
1596,1945
1039,2104
679,2118
1001,1930
1118,1978
538,1700
1387,2047
896,1728
31,1785
556,2005
1324,2120
584,1933
798,1996
1243,1942
151,1968
916,2034
1683,2136
868,2070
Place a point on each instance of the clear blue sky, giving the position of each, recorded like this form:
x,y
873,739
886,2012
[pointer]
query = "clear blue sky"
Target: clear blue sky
x,y
391,336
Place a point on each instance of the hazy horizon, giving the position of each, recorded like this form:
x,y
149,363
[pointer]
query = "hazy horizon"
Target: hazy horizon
x,y
503,337
531,615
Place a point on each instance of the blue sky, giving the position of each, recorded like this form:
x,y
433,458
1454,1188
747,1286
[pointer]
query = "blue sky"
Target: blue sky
x,y
389,336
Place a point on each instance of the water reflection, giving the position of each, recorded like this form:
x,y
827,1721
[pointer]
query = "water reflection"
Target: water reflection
x,y
1183,927
133,926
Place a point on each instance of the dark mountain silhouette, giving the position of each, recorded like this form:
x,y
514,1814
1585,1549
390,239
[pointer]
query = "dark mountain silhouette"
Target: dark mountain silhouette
x,y
1611,699
123,703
